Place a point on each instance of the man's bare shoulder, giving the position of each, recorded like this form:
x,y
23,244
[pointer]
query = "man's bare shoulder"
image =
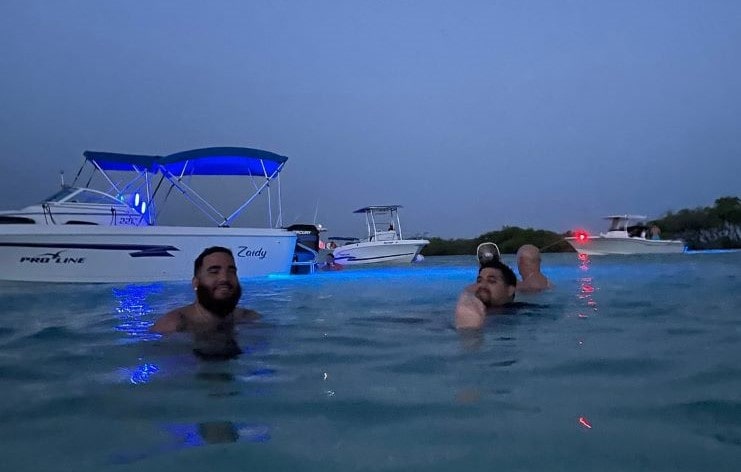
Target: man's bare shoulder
x,y
173,321
245,315
534,285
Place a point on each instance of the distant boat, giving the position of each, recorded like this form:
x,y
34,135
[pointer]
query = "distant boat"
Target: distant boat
x,y
384,242
627,234
85,235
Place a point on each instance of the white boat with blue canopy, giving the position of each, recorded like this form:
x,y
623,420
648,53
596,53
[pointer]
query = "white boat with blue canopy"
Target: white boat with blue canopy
x,y
104,227
384,242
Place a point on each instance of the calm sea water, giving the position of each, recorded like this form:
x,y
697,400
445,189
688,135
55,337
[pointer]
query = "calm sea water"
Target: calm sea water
x,y
633,363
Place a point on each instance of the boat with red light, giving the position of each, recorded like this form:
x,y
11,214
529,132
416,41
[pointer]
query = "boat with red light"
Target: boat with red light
x,y
626,235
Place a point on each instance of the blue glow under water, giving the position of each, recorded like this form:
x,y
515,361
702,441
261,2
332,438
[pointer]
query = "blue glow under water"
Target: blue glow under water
x,y
632,364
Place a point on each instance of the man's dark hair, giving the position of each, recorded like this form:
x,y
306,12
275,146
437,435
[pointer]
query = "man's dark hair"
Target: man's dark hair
x,y
207,252
509,276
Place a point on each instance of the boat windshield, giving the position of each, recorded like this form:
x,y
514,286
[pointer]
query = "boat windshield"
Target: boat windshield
x,y
618,224
82,195
61,195
93,196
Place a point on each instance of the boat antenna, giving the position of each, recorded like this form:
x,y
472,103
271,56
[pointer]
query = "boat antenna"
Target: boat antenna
x,y
316,210
559,240
61,176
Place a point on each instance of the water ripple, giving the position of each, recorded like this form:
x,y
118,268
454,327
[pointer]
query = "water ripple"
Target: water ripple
x,y
606,367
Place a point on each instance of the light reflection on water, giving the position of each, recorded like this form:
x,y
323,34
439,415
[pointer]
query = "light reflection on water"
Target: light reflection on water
x,y
134,310
632,364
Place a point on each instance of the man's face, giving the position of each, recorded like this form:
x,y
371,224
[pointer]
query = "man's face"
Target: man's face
x,y
491,288
217,286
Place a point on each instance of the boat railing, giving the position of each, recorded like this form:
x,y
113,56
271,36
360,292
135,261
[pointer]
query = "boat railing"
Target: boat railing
x,y
305,264
385,235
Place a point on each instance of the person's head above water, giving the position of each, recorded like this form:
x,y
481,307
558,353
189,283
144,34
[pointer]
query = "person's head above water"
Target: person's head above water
x,y
528,265
213,314
528,259
495,284
215,281
198,263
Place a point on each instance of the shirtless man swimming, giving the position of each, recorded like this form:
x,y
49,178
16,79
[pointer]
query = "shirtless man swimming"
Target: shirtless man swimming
x,y
528,265
211,318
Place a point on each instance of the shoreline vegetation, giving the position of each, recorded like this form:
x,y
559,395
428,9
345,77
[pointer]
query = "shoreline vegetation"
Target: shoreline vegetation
x,y
715,227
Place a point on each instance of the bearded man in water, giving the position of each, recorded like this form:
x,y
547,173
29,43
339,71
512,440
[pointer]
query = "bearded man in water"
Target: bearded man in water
x,y
211,318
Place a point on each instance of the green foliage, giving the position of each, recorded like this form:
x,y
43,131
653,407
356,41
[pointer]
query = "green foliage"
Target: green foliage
x,y
728,209
450,247
685,224
725,210
509,239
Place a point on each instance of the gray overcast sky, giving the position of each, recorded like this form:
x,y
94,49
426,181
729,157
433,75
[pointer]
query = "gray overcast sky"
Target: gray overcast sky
x,y
471,114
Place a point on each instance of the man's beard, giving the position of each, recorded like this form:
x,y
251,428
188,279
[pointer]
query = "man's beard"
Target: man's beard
x,y
221,307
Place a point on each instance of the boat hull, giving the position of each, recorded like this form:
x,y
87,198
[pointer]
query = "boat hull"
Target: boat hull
x,y
96,254
602,246
397,251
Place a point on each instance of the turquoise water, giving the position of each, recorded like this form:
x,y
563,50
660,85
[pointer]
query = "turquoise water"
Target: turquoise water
x,y
632,364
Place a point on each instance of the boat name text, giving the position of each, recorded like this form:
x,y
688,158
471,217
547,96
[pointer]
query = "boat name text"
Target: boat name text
x,y
127,220
246,251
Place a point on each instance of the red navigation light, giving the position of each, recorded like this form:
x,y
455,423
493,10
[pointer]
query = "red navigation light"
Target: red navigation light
x,y
581,235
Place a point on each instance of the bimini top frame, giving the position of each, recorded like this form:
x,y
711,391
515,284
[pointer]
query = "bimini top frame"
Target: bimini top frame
x,y
262,167
382,215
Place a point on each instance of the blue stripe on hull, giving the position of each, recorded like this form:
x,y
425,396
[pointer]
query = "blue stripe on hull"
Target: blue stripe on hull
x,y
139,250
377,258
